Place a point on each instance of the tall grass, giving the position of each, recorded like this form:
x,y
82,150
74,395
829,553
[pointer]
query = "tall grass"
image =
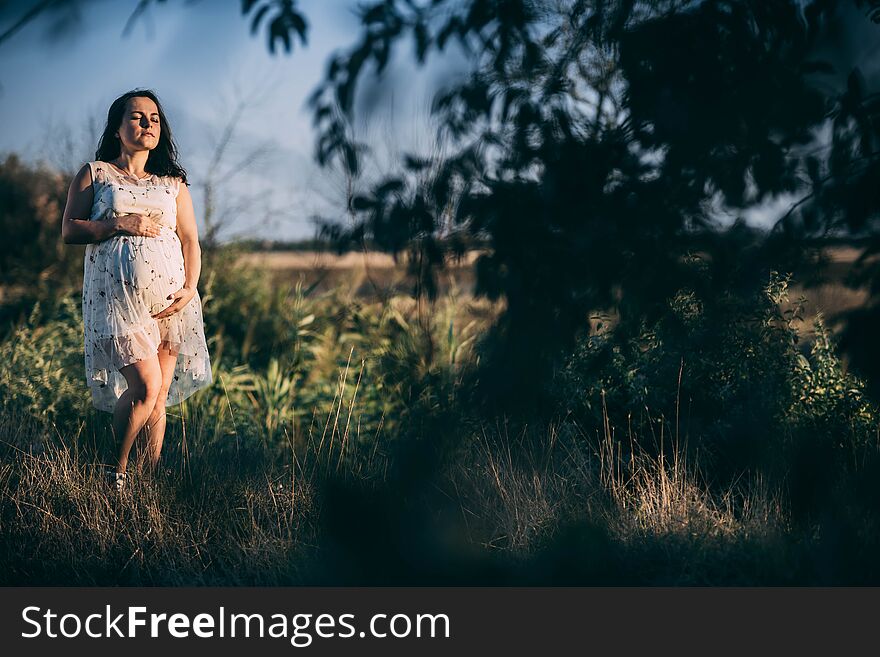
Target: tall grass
x,y
235,514
336,447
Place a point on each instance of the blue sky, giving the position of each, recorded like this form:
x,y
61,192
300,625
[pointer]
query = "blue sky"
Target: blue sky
x,y
201,59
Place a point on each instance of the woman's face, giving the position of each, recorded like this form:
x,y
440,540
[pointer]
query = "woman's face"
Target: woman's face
x,y
140,127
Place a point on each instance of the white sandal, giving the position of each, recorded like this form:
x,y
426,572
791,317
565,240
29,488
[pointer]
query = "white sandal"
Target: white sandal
x,y
116,479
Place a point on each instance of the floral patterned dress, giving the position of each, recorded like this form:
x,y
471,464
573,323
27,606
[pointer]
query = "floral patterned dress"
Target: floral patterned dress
x,y
127,279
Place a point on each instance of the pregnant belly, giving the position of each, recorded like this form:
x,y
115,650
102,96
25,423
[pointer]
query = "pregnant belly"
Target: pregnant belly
x,y
150,268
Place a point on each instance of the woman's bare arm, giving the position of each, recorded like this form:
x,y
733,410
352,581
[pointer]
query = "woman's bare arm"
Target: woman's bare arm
x,y
189,237
76,228
192,253
75,225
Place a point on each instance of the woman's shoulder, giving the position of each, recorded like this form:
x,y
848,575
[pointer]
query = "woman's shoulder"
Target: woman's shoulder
x,y
98,170
173,182
84,178
86,174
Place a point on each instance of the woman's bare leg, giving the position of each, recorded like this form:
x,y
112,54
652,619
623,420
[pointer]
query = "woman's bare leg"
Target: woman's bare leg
x,y
155,427
135,404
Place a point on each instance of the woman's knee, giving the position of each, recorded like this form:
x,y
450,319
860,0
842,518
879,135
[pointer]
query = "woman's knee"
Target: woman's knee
x,y
159,404
144,382
152,389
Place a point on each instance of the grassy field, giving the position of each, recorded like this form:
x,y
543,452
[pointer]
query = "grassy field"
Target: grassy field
x,y
338,446
370,274
366,274
552,508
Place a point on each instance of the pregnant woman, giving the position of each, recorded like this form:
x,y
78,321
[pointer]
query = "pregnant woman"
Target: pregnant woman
x,y
145,345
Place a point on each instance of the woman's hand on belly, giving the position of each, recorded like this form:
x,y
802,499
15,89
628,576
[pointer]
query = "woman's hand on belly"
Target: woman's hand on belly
x,y
178,300
137,224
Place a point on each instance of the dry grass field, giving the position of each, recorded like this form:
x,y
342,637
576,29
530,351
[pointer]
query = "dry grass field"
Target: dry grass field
x,y
369,273
339,447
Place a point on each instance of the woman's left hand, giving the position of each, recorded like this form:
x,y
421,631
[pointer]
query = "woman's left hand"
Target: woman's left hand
x,y
180,298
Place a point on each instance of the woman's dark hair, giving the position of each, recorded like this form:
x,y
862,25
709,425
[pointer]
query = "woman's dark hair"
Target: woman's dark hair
x,y
162,160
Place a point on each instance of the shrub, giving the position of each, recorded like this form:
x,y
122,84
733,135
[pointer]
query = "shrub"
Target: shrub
x,y
726,374
43,372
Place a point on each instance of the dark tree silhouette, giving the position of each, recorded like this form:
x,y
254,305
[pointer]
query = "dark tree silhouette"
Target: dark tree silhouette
x,y
593,140
592,143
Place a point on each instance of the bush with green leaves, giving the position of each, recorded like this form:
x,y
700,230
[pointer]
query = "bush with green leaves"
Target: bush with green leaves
x,y
365,370
295,363
829,400
43,372
729,375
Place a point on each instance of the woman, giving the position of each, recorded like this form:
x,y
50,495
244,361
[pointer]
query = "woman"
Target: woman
x,y
145,345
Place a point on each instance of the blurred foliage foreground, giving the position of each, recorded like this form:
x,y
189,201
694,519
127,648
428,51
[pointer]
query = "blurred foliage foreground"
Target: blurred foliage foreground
x,y
341,444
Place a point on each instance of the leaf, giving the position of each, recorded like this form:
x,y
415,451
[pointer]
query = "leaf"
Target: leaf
x,y
279,31
321,113
382,54
351,159
420,33
255,23
344,95
362,203
374,14
389,186
414,163
300,25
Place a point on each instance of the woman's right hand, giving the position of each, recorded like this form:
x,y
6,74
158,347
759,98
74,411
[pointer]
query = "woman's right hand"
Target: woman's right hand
x,y
136,224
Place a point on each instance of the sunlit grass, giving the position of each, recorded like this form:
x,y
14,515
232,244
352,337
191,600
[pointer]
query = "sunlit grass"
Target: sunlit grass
x,y
324,386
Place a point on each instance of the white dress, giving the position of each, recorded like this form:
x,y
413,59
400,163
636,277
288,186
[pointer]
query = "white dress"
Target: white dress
x,y
127,279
